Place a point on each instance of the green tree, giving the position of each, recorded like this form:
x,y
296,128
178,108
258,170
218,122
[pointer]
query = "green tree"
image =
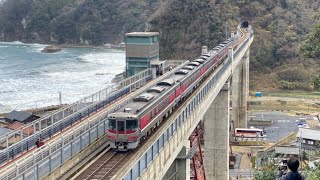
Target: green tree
x,y
311,46
268,172
66,30
313,173
316,83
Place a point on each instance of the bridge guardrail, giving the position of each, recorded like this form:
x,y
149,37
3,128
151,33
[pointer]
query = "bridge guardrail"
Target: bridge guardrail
x,y
47,158
136,170
58,121
49,152
146,158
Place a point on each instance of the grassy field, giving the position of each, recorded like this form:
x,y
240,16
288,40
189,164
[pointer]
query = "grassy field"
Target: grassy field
x,y
308,102
293,94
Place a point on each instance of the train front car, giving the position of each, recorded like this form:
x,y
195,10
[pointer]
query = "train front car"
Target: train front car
x,y
123,130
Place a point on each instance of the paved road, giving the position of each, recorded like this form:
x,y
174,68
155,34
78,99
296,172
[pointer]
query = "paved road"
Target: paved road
x,y
283,124
244,173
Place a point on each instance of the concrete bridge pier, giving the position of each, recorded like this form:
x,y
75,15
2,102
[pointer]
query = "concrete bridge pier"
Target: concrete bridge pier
x,y
216,136
180,168
240,92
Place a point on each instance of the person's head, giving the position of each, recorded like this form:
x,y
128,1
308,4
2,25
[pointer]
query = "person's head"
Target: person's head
x,y
293,164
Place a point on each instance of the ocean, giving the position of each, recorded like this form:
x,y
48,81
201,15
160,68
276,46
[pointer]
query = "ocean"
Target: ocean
x,y
31,79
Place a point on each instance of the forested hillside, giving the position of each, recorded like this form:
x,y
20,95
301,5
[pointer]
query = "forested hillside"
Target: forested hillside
x,y
281,27
93,22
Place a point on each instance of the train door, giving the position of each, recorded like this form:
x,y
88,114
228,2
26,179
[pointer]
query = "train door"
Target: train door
x,y
120,127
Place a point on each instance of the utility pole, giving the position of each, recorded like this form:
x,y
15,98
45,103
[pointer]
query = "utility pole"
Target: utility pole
x,y
300,141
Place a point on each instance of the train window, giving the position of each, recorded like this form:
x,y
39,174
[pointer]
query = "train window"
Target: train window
x,y
192,103
131,124
172,130
165,137
112,124
158,146
161,142
120,126
187,111
182,117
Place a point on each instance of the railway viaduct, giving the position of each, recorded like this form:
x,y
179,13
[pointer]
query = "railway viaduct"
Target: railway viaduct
x,y
165,154
172,161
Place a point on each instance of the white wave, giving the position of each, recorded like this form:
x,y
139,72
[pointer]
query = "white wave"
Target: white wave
x,y
102,58
13,43
36,47
73,78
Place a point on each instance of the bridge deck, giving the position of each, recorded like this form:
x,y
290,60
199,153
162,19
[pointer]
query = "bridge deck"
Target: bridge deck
x,y
153,157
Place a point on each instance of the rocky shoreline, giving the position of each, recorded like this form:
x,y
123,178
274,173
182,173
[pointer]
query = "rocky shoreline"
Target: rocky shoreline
x,y
57,48
89,46
51,49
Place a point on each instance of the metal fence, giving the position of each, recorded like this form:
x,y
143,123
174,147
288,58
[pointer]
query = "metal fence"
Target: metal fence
x,y
52,155
146,159
25,138
46,159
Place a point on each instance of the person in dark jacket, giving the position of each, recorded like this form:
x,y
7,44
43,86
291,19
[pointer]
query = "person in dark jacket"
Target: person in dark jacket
x,y
293,174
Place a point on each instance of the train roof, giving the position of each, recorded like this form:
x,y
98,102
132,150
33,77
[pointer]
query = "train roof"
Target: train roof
x,y
145,97
153,94
157,89
203,57
207,55
194,63
137,105
201,61
182,71
124,114
166,82
188,67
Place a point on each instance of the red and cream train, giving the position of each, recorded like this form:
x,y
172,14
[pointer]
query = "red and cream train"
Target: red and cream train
x,y
138,118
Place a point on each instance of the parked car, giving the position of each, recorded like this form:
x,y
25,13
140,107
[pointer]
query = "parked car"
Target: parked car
x,y
302,123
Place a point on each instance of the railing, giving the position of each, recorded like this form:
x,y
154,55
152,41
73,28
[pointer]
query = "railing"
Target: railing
x,y
158,145
25,138
44,160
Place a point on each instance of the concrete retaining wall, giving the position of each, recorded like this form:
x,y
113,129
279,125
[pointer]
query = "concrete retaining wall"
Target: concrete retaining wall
x,y
72,165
